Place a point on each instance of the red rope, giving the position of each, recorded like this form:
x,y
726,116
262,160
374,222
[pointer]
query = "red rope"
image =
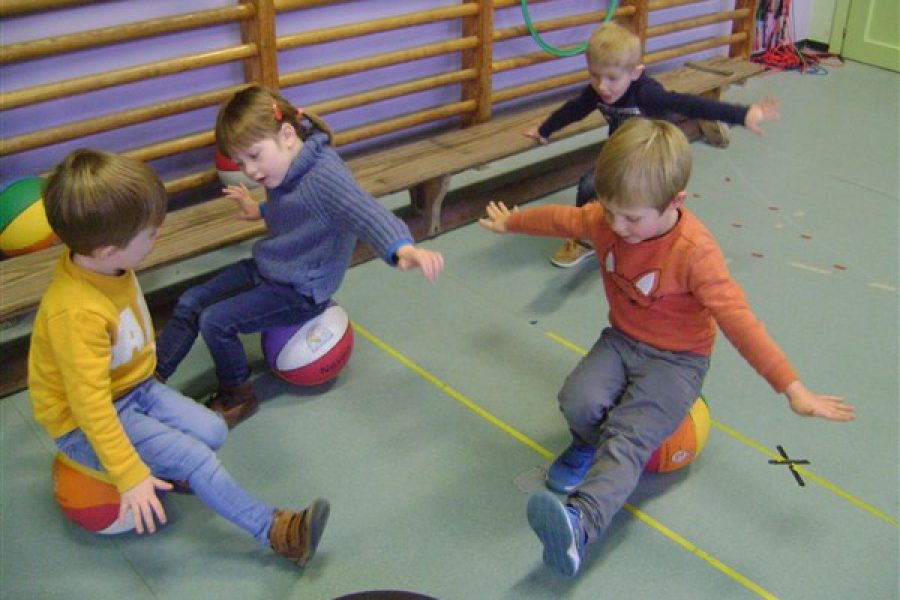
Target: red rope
x,y
787,57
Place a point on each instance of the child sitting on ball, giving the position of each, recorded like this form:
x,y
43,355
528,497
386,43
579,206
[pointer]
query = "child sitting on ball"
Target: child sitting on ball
x,y
314,213
668,288
92,357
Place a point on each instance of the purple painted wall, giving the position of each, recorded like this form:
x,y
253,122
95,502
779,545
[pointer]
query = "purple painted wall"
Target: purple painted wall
x,y
52,113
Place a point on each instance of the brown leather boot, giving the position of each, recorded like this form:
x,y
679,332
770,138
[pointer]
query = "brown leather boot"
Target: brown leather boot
x,y
234,403
295,535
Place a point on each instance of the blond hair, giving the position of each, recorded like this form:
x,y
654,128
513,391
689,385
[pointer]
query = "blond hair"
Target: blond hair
x,y
256,113
96,199
645,163
612,44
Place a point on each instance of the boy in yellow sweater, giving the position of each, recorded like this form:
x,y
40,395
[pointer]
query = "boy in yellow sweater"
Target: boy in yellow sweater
x,y
668,289
92,357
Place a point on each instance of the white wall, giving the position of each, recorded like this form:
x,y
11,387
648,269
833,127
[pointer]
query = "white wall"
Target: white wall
x,y
816,18
821,17
802,18
812,19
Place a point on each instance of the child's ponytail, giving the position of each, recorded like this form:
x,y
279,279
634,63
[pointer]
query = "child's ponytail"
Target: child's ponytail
x,y
320,123
285,112
256,113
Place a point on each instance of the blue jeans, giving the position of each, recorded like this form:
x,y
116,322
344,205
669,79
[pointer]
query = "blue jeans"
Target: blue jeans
x,y
177,439
236,300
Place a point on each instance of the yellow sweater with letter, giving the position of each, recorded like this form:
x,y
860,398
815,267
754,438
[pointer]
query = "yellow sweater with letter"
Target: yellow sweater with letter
x,y
92,342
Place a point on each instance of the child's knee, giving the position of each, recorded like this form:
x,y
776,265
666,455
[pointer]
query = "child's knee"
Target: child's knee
x,y
210,324
579,406
216,433
189,305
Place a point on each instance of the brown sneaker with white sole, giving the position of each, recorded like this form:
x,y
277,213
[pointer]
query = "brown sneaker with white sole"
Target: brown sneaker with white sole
x,y
573,252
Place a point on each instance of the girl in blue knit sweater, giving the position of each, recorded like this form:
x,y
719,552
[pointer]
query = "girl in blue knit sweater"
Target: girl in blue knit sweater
x,y
314,213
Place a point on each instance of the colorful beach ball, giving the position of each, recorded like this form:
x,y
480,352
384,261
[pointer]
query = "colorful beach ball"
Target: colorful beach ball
x,y
23,221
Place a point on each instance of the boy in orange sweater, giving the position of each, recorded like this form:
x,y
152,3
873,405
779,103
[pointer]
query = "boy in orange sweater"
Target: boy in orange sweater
x,y
668,288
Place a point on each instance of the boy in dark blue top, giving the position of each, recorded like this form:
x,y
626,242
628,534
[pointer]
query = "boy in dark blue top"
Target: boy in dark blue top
x,y
620,89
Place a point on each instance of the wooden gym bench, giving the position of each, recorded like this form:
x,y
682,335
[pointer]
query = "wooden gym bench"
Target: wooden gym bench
x,y
423,165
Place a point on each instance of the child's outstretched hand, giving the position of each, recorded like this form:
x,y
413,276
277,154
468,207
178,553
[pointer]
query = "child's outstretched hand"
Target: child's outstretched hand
x,y
143,503
497,215
806,403
767,109
534,134
249,208
410,257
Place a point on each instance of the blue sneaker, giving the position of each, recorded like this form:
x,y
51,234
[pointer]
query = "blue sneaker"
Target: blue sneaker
x,y
559,528
570,467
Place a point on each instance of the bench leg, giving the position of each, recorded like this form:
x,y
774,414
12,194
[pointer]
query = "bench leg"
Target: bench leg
x,y
690,127
426,199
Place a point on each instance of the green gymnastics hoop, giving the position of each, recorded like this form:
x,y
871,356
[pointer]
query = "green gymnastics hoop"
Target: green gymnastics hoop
x,y
610,11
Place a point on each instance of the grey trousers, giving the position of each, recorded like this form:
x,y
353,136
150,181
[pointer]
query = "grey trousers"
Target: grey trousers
x,y
624,398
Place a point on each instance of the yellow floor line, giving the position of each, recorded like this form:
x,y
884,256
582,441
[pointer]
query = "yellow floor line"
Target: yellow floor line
x,y
809,475
512,431
757,446
747,583
454,394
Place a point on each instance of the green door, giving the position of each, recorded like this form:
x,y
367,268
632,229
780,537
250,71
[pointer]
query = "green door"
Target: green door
x,y
872,33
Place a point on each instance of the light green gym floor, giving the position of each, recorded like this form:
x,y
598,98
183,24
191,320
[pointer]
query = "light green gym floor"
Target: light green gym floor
x,y
431,440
